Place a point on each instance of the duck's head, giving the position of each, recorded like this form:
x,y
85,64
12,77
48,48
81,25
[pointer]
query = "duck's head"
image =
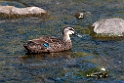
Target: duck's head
x,y
67,32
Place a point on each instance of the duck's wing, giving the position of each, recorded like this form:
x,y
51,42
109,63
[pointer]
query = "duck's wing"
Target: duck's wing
x,y
47,39
44,44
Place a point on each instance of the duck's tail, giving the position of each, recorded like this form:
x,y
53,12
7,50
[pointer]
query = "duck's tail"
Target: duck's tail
x,y
26,47
31,47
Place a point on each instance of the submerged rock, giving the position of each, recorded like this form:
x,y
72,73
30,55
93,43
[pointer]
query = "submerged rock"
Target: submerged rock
x,y
103,73
11,10
112,26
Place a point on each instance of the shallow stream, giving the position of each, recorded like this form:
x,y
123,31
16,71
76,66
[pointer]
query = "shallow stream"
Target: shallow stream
x,y
88,55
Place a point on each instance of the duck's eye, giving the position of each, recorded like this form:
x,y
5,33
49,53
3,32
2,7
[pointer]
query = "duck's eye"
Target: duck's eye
x,y
71,29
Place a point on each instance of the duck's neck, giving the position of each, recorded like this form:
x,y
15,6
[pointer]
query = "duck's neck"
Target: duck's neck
x,y
66,38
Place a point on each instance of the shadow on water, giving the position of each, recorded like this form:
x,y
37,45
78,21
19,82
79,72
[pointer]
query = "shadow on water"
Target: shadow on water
x,y
87,56
16,3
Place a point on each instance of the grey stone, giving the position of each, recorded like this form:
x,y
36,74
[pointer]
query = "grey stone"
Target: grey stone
x,y
113,26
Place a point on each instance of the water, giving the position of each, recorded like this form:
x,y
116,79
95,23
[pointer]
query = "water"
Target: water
x,y
87,56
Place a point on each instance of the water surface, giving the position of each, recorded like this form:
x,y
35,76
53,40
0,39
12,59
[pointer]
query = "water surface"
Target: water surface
x,y
88,54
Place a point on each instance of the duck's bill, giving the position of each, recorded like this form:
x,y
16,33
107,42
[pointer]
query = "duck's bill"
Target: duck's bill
x,y
78,35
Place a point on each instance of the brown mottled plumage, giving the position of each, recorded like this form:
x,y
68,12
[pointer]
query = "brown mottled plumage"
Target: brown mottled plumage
x,y
51,44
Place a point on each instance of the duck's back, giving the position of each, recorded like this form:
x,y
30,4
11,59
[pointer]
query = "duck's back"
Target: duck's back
x,y
47,44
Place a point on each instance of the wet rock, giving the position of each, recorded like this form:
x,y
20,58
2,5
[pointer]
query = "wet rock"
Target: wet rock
x,y
112,26
79,15
11,10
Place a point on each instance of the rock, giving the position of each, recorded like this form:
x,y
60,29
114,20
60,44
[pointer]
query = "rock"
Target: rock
x,y
113,26
28,10
79,15
11,10
5,9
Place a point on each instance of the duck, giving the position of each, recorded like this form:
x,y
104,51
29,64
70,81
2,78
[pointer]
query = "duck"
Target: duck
x,y
51,44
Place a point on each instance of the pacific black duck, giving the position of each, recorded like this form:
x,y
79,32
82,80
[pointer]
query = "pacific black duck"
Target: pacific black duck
x,y
50,44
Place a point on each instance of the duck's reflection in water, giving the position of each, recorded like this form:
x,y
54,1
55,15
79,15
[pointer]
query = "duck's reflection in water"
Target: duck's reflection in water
x,y
47,56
